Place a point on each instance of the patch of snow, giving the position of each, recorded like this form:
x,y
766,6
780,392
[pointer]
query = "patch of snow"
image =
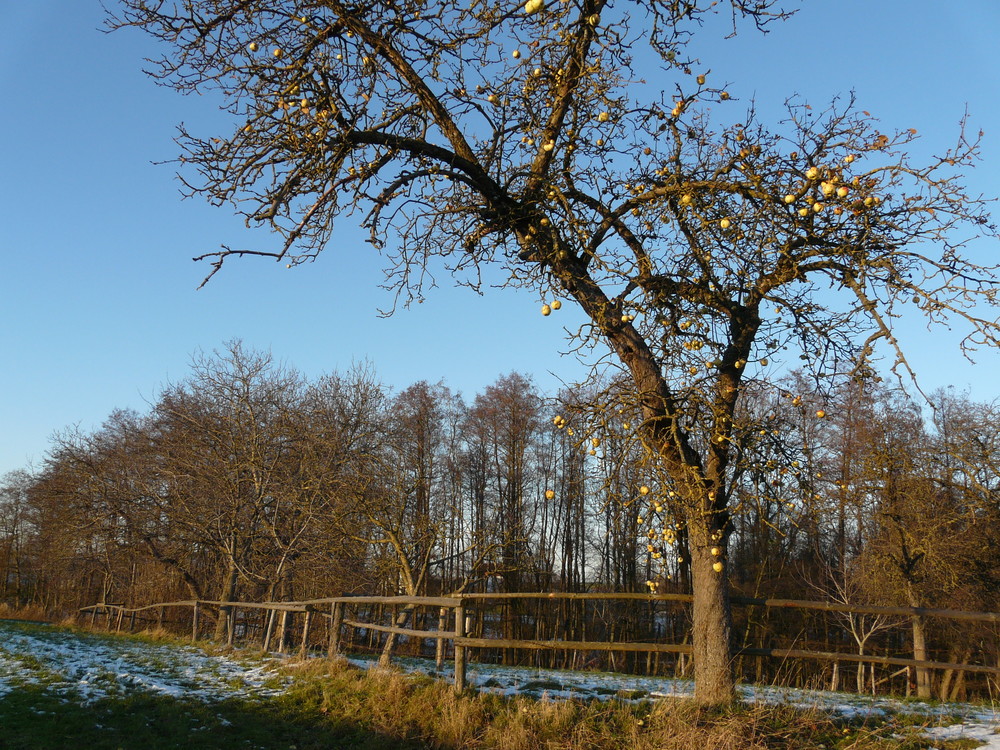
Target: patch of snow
x,y
985,733
86,668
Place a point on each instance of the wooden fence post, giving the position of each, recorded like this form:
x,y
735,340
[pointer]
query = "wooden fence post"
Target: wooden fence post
x,y
439,643
336,618
305,632
121,616
269,628
393,619
230,625
93,617
194,623
159,617
459,649
283,641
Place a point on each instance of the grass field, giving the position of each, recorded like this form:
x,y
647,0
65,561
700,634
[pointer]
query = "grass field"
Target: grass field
x,y
64,688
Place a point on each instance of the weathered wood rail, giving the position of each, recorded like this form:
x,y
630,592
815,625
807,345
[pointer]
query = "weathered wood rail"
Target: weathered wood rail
x,y
453,610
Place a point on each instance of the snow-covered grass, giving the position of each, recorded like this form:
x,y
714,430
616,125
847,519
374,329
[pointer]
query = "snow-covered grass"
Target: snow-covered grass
x,y
62,688
85,667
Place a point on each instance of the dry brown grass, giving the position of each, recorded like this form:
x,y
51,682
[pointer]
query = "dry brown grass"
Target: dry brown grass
x,y
418,709
30,612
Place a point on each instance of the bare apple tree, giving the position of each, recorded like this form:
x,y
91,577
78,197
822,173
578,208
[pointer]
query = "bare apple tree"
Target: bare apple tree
x,y
467,135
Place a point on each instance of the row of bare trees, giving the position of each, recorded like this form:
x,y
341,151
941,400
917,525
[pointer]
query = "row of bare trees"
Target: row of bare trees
x,y
246,481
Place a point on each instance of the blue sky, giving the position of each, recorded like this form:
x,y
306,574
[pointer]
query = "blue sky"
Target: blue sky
x,y
98,296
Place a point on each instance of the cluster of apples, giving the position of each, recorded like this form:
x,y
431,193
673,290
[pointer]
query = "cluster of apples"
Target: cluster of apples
x,y
797,401
830,189
277,52
668,534
595,443
554,305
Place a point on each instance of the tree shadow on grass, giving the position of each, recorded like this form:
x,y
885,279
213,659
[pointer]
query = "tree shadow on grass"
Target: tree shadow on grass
x,y
32,718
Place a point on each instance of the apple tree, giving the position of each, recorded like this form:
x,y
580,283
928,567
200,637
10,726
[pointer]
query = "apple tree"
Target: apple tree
x,y
704,245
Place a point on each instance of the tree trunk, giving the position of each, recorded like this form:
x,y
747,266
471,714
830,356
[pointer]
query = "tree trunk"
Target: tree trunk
x,y
946,676
399,621
920,651
920,654
959,687
269,628
228,591
714,683
953,680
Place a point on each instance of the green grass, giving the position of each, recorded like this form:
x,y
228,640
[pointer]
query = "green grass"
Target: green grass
x,y
33,719
34,716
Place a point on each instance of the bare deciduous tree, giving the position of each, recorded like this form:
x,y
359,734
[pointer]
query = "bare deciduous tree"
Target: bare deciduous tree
x,y
698,248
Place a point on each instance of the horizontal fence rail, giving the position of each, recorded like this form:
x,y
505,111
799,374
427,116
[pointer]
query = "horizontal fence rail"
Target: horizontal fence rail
x,y
456,609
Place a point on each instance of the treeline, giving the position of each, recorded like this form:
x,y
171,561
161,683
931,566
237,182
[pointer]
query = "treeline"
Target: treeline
x,y
248,481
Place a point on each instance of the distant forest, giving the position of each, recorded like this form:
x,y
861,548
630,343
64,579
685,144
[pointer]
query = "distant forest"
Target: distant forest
x,y
247,481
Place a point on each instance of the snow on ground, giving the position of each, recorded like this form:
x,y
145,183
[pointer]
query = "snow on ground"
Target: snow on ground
x,y
985,733
85,667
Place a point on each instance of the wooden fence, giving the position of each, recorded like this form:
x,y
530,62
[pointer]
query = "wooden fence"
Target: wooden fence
x,y
453,620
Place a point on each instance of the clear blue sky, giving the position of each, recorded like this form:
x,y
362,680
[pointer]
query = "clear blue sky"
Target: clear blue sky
x,y
98,295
